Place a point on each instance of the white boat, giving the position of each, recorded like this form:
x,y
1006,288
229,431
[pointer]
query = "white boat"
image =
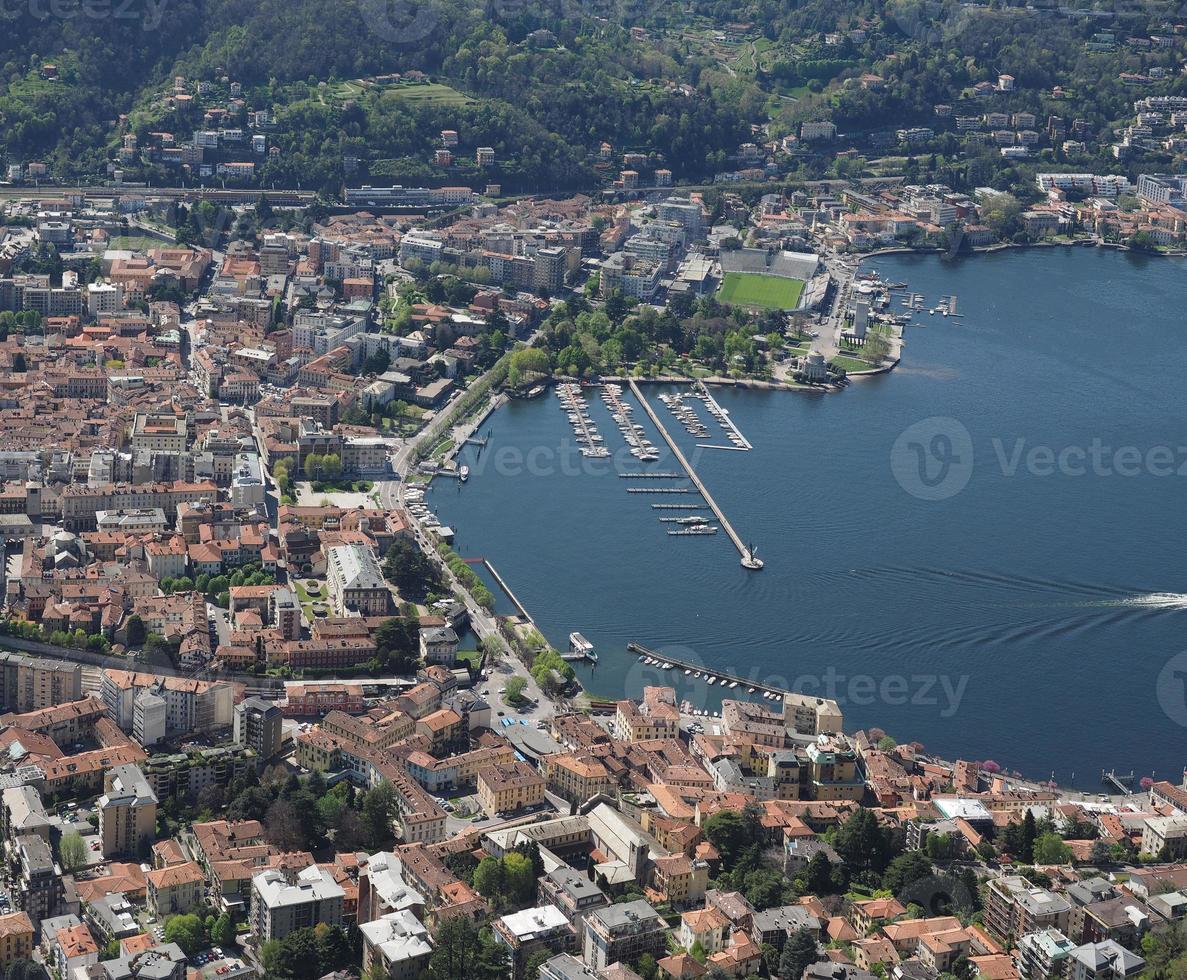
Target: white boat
x,y
712,680
733,684
751,691
463,473
687,672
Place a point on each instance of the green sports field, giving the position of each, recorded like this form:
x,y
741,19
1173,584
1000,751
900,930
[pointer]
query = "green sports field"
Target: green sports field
x,y
755,289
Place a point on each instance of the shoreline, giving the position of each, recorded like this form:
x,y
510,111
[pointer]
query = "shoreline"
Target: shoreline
x,y
1005,246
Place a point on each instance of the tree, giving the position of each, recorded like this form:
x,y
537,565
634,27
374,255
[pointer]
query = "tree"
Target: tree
x,y
223,931
410,570
462,951
188,931
515,689
378,811
19,364
905,870
1050,848
731,833
862,844
136,630
799,953
72,851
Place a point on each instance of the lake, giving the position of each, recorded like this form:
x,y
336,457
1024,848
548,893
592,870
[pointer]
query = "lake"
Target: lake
x,y
980,551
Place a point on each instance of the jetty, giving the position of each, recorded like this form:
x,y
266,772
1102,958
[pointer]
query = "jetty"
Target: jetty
x,y
743,549
724,420
726,679
679,506
651,476
658,490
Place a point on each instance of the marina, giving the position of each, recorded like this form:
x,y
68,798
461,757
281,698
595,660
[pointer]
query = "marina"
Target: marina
x,y
652,658
750,560
733,433
573,403
632,433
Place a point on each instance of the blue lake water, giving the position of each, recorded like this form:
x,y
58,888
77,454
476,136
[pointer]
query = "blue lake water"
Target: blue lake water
x,y
981,551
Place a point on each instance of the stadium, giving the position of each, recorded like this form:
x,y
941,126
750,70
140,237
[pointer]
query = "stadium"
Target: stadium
x,y
758,278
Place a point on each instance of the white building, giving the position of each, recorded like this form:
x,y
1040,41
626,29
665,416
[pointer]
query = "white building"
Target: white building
x,y
399,942
279,908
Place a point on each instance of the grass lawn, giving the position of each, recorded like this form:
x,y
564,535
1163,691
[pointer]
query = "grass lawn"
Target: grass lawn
x,y
851,363
430,93
469,656
755,289
137,243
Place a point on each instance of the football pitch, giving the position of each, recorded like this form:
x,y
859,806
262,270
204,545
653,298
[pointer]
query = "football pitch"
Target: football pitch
x,y
756,289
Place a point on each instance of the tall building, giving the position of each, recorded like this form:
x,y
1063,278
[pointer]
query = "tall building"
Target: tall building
x,y
258,726
127,813
622,933
279,908
149,714
33,683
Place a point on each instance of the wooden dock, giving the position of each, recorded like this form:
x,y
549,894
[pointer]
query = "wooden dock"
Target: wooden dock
x,y
692,475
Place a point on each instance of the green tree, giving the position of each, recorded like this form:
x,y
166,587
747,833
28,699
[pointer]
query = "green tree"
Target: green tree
x,y
731,833
862,843
188,931
223,931
1050,848
136,630
378,812
905,870
799,953
72,851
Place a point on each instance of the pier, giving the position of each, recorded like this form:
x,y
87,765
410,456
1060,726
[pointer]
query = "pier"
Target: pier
x,y
724,420
651,476
743,550
679,506
658,490
641,651
507,591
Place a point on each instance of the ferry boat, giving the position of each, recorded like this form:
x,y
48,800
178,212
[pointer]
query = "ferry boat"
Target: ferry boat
x,y
581,649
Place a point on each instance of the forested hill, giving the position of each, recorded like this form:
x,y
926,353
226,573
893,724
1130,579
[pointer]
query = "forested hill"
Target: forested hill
x,y
544,85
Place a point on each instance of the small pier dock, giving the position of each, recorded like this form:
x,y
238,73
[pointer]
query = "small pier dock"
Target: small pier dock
x,y
651,476
679,506
725,421
766,690
743,550
658,490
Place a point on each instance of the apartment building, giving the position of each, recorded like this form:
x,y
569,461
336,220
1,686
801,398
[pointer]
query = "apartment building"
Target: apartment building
x,y
258,726
127,813
623,933
280,907
355,581
1015,907
175,890
509,787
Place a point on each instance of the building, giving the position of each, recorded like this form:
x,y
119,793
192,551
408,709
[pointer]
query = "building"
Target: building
x,y
16,938
39,886
258,726
811,715
355,581
509,787
438,645
622,933
33,683
1169,833
573,893
398,942
1015,907
1106,960
526,933
656,716
280,907
175,890
127,813
1043,955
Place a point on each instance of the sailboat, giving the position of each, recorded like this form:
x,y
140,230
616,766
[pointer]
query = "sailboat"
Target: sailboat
x,y
751,560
